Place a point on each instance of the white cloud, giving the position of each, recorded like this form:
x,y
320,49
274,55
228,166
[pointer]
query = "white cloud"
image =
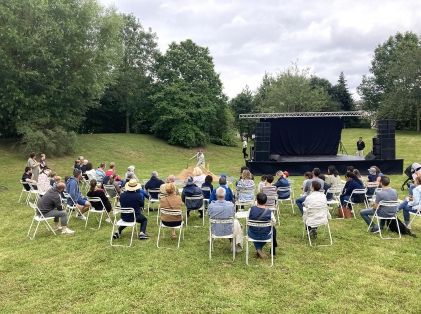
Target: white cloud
x,y
249,38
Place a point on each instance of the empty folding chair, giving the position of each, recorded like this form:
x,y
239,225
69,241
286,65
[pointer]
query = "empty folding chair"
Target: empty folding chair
x,y
259,224
213,236
38,218
121,223
153,197
111,193
93,210
272,204
380,217
335,193
25,190
202,208
357,193
318,218
170,212
289,199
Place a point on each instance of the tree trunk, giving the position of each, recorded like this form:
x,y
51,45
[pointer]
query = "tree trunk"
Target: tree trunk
x,y
127,122
418,119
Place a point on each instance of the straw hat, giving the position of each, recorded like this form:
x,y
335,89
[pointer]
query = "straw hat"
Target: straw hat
x,y
132,185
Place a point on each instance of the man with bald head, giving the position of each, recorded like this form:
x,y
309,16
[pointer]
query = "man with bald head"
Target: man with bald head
x,y
50,206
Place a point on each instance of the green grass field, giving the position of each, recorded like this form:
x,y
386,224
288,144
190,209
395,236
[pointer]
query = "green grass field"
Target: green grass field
x,y
83,274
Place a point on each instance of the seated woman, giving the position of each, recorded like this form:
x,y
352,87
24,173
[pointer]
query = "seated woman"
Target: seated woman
x,y
198,176
283,183
171,202
44,181
261,213
352,183
245,187
94,191
333,178
207,184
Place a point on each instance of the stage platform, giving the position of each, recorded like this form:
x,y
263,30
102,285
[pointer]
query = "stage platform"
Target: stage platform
x,y
297,165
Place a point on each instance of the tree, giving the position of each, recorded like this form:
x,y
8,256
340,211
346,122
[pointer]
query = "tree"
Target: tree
x,y
393,88
262,92
291,91
341,94
243,103
189,105
56,58
318,82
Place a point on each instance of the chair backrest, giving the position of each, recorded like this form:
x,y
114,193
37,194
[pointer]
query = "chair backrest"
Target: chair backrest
x,y
67,196
226,221
171,212
335,191
359,191
124,210
96,200
110,190
154,192
259,224
372,185
272,202
37,212
284,189
193,198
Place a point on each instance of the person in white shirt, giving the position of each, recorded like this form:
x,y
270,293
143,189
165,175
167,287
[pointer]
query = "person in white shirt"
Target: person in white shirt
x,y
315,209
198,176
245,155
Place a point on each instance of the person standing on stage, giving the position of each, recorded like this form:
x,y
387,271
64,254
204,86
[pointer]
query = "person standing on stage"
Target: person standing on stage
x,y
245,155
360,147
200,157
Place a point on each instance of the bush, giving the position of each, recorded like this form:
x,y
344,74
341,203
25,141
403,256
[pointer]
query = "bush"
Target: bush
x,y
55,142
188,136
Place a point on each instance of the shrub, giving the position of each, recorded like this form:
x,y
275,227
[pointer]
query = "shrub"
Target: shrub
x,y
188,136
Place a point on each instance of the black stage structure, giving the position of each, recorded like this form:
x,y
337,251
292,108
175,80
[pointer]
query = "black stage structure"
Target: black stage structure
x,y
300,141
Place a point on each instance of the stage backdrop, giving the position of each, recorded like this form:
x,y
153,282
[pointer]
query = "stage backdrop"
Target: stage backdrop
x,y
305,136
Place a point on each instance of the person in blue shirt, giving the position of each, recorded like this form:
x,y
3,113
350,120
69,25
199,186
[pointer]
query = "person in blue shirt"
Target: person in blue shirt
x,y
72,187
229,196
352,183
192,190
207,184
133,199
154,183
282,183
261,213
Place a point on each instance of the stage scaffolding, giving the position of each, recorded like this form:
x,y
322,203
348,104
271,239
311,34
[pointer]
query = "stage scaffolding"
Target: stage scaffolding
x,y
338,114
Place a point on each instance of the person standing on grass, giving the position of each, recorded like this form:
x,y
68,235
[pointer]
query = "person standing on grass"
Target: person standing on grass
x,y
72,187
360,147
34,165
50,206
245,155
262,213
131,198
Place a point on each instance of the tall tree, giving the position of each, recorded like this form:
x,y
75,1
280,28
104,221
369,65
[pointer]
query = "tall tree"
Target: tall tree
x,y
243,103
56,58
189,104
341,94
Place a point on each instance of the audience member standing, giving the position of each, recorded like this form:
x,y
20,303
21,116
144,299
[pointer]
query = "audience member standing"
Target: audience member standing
x,y
34,165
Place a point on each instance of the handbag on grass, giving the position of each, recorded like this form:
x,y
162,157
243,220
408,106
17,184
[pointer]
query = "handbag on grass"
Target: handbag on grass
x,y
346,212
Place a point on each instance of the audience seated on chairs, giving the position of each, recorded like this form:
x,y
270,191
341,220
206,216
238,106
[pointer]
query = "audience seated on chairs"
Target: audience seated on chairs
x,y
90,173
352,183
131,198
207,184
245,187
83,165
241,174
111,169
26,177
269,189
261,183
325,185
43,184
113,181
95,191
333,178
100,173
222,209
229,196
170,179
312,215
50,206
358,174
130,174
198,176
282,183
154,183
171,202
414,199
191,190
261,213
77,164
386,194
72,187
307,187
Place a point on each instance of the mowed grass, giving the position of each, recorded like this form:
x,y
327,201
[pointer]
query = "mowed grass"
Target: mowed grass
x,y
83,274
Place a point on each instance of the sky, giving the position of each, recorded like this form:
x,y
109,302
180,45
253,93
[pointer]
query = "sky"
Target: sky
x,y
249,38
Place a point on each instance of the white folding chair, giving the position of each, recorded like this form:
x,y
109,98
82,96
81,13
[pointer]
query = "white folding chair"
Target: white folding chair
x,y
372,198
202,208
38,218
335,201
289,199
259,224
241,203
390,204
372,186
272,204
93,210
416,214
213,237
324,210
171,212
122,223
111,193
84,184
70,208
152,200
24,191
206,190
357,193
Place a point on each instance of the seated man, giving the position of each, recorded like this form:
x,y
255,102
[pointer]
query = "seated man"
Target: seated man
x,y
100,173
229,196
222,209
72,187
133,199
154,183
26,177
386,194
192,190
282,183
50,206
261,213
312,215
306,189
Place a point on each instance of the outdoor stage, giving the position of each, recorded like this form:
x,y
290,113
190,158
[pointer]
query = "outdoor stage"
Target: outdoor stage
x,y
297,165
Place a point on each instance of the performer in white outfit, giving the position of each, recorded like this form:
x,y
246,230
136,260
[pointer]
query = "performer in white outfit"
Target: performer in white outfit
x,y
200,157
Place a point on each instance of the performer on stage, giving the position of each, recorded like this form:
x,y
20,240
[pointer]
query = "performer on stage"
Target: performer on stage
x,y
245,155
200,157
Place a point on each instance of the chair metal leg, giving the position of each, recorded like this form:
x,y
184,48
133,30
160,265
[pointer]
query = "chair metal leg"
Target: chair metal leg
x,y
271,250
247,251
100,220
112,234
159,234
179,235
30,228
131,238
210,246
233,248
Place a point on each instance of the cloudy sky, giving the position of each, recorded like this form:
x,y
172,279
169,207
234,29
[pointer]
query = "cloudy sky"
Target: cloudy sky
x,y
248,38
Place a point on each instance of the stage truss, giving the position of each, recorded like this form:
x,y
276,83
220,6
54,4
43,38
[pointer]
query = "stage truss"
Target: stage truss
x,y
338,114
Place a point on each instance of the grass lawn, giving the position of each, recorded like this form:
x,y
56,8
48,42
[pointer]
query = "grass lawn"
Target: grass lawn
x,y
82,273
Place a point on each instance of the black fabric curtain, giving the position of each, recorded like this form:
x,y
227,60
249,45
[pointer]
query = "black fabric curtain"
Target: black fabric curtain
x,y
305,136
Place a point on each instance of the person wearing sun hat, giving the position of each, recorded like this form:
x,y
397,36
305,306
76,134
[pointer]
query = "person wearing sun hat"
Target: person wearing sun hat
x,y
133,199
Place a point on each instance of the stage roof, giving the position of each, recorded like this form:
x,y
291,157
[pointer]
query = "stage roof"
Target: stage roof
x,y
339,114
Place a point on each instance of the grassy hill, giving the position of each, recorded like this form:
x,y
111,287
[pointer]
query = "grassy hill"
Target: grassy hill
x,y
82,273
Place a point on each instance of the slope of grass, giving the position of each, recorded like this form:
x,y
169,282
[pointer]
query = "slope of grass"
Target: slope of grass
x,y
82,273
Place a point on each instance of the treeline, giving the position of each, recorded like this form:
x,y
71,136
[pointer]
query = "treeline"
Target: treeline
x,y
75,66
